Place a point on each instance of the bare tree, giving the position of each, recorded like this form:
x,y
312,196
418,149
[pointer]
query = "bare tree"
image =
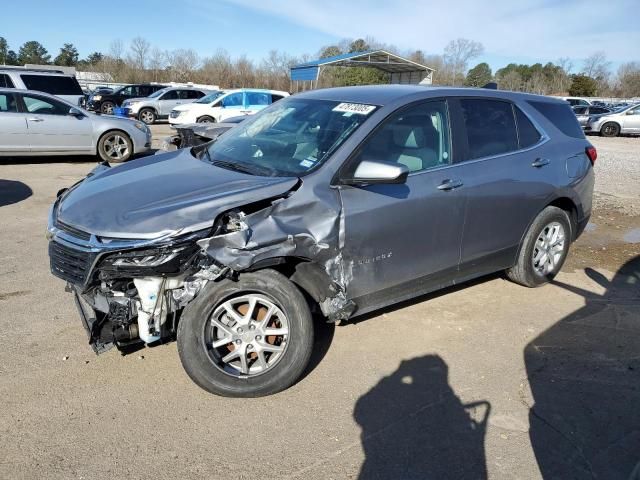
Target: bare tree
x,y
628,81
156,62
182,64
596,65
218,69
510,81
139,52
458,53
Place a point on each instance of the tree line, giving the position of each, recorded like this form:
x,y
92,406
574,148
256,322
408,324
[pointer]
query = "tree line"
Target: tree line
x,y
139,61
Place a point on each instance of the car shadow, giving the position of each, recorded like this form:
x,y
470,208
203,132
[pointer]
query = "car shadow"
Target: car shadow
x,y
13,191
415,427
584,375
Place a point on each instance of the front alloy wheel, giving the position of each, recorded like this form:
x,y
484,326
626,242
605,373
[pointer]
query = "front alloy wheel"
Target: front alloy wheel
x,y
549,249
247,337
115,147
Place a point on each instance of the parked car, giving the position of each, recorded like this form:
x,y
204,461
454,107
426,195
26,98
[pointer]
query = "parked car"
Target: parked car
x,y
625,121
573,101
36,123
104,102
54,82
194,134
583,112
159,104
217,108
339,201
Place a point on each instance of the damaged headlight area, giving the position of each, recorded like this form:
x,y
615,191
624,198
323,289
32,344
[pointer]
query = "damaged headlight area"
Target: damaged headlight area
x,y
149,261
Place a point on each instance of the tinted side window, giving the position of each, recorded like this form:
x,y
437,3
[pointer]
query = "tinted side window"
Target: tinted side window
x,y
233,100
7,103
257,98
580,110
275,98
490,126
5,81
170,95
53,84
597,110
194,94
528,134
561,116
417,137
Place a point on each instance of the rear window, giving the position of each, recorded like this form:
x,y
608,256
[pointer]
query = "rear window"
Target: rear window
x,y
5,81
490,126
528,134
53,84
561,116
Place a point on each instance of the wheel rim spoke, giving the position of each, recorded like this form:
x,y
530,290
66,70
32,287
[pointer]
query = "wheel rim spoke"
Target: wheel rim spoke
x,y
549,249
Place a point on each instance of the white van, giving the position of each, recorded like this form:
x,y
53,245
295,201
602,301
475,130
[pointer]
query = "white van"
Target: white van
x,y
53,82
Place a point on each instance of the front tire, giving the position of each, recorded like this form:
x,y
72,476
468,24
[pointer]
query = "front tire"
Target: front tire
x,y
147,115
246,338
107,108
115,147
206,119
544,249
610,129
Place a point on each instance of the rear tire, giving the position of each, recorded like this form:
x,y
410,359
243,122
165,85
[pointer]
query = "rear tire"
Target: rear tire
x,y
237,351
206,119
544,249
610,129
147,115
115,146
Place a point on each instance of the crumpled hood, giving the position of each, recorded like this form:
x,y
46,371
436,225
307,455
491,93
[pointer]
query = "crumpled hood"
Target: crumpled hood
x,y
158,195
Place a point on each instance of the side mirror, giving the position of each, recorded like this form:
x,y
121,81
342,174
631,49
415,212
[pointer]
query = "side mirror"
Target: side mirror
x,y
74,112
369,172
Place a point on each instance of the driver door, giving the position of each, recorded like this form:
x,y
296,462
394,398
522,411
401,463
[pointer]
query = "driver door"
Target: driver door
x,y
631,121
232,106
168,102
404,239
52,129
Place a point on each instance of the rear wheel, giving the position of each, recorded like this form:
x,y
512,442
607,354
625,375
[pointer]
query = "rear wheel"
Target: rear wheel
x,y
206,119
107,108
544,249
147,115
248,338
610,129
115,146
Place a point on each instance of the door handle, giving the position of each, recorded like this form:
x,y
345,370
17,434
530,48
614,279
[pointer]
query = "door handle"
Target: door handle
x,y
447,185
35,119
540,162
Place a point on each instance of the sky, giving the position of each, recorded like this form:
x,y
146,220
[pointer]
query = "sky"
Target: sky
x,y
520,31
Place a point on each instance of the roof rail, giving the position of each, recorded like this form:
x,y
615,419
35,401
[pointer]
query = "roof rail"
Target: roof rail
x,y
23,69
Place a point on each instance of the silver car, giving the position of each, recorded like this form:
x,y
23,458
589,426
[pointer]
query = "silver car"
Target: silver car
x,y
36,123
626,120
159,104
583,112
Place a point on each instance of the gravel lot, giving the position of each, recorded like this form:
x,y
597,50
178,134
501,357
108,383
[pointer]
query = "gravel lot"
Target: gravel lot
x,y
486,380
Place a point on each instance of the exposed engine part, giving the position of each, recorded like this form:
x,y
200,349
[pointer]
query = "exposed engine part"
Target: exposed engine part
x,y
153,305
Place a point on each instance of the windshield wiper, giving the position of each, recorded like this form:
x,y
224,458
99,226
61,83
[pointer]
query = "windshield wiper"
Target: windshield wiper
x,y
230,165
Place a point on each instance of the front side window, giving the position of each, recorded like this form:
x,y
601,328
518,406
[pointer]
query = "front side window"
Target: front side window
x,y
258,98
417,137
8,103
232,100
580,110
170,95
490,127
44,106
289,139
53,84
5,81
635,111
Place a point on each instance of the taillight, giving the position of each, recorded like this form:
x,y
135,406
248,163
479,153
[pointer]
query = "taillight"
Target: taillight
x,y
592,153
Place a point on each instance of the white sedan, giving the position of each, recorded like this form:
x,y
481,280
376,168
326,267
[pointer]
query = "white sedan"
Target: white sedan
x,y
219,106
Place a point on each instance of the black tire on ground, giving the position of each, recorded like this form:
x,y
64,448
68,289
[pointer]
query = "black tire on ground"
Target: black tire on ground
x,y
196,356
523,272
610,129
115,146
107,108
206,119
147,115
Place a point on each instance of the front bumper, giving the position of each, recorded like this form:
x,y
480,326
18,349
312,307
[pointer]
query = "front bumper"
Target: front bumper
x,y
93,106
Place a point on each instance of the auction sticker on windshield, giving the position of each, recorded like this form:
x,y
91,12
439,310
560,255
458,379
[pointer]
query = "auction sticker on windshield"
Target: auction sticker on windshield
x,y
359,108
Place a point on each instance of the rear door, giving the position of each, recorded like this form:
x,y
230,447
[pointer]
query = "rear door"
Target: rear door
x,y
52,129
403,239
506,179
13,126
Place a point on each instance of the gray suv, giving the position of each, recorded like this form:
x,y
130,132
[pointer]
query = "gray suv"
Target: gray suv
x,y
337,202
160,103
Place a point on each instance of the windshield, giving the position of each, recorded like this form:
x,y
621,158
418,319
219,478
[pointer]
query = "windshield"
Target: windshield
x,y
290,138
158,93
209,98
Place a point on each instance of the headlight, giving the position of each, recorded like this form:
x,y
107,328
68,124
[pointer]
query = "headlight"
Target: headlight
x,y
96,97
141,126
143,260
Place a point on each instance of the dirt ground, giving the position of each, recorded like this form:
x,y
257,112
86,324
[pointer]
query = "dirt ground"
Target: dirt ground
x,y
485,380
